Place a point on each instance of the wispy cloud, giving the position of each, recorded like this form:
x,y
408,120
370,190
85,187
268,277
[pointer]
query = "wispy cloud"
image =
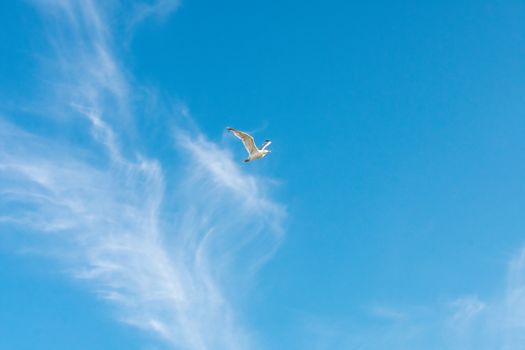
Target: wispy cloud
x,y
470,321
486,320
159,9
387,313
466,309
168,245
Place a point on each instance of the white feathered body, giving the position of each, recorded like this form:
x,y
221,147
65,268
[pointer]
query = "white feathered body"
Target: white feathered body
x,y
258,154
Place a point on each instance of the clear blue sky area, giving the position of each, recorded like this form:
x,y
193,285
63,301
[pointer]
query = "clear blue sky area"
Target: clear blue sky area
x,y
393,195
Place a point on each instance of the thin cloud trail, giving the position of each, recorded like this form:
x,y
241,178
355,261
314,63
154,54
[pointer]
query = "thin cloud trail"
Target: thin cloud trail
x,y
171,247
485,320
160,9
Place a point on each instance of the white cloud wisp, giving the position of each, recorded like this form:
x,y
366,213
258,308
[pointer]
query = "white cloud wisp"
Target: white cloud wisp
x,y
172,256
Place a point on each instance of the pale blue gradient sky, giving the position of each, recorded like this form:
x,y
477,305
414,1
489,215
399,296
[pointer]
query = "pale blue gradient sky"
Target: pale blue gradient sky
x,y
388,215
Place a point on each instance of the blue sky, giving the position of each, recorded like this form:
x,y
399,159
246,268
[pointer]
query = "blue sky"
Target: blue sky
x,y
389,214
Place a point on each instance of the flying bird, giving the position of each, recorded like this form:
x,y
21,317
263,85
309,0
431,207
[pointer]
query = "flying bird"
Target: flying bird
x,y
247,140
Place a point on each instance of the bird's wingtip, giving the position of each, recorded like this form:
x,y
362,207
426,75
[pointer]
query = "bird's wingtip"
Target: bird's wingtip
x,y
228,128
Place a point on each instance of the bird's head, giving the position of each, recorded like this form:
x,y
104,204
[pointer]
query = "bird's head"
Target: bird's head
x,y
265,152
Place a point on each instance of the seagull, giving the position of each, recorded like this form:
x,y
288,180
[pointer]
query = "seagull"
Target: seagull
x,y
253,152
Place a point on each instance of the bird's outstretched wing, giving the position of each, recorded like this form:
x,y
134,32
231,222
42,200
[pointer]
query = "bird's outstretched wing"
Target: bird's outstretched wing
x,y
247,140
265,144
